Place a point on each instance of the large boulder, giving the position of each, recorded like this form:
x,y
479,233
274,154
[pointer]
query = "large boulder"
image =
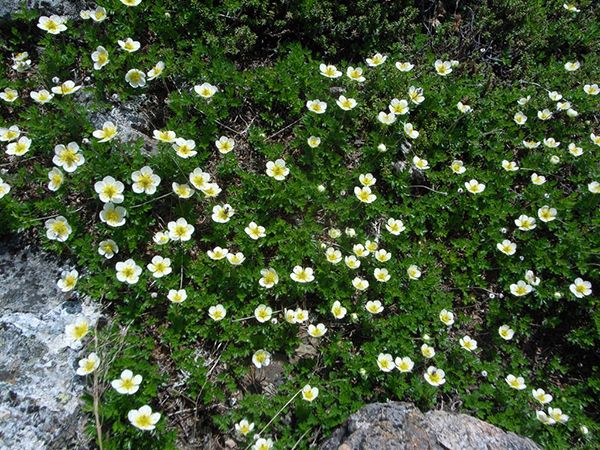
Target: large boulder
x,y
401,426
69,8
40,406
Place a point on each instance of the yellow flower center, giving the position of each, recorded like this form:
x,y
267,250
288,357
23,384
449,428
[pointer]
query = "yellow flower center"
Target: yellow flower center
x,y
143,421
59,227
127,383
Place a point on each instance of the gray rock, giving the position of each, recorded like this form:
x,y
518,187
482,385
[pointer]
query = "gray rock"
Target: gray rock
x,y
401,426
39,389
58,7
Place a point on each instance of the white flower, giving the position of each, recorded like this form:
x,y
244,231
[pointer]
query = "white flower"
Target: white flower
x,y
263,313
235,259
128,271
110,190
316,106
302,274
309,393
443,68
385,361
185,148
167,136
156,71
4,188
162,237
575,150
507,247
399,107
100,57
531,144
329,71
145,181
591,89
205,90
404,66
517,383
434,376
547,214
374,307
333,256
9,95
177,295
551,142
217,253
421,164
386,118
520,289
68,157
129,45
76,331
376,60
42,96
413,272
447,317
108,248
269,278
182,190
88,365
113,216
427,351
136,78
217,312
131,2
506,332
404,364
313,141
525,223
572,66
544,418
67,88
68,280
395,226
224,144
346,104
410,131
544,114
520,118
355,73
261,358
143,418
468,343
222,213
594,187
381,275
510,166
360,284
315,331
107,133
98,15
263,444
180,230
581,288
382,255
541,396
127,383
464,108
338,311
538,179
58,229
159,267
53,24
255,231
364,194
277,169
557,415
352,262
416,95
474,187
20,147
243,427
9,134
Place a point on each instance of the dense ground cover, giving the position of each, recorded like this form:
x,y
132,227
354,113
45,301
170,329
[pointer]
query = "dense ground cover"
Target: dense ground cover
x,y
512,105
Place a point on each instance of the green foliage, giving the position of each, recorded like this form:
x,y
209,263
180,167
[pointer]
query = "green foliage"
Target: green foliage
x,y
190,362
